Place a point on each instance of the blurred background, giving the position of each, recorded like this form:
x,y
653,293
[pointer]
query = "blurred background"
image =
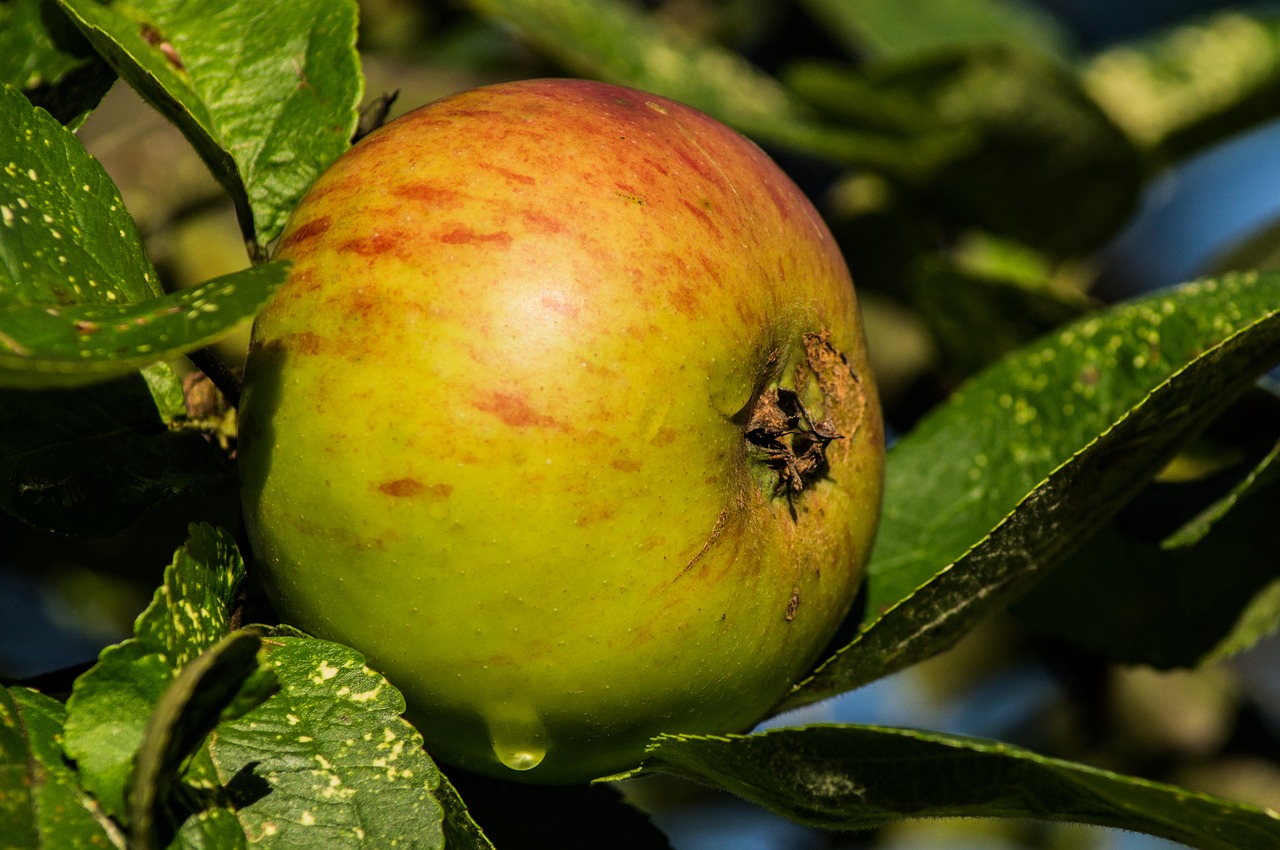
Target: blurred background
x,y
1209,203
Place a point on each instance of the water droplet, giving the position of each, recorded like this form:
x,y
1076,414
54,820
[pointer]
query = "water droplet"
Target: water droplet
x,y
521,760
518,738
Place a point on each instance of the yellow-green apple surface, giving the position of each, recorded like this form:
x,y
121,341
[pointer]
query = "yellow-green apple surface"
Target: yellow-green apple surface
x,y
564,419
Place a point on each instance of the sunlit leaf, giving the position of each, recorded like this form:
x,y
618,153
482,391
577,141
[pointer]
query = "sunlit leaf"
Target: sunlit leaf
x,y
223,681
79,299
110,704
65,236
41,802
1129,598
48,346
328,758
265,91
1197,83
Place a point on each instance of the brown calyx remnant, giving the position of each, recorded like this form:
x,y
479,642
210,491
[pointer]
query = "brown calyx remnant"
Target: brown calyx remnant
x,y
790,440
786,438
841,388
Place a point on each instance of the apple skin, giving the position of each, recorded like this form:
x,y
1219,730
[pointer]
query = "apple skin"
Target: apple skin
x,y
514,427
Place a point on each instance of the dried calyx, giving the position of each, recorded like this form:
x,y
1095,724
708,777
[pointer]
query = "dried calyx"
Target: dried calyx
x,y
787,440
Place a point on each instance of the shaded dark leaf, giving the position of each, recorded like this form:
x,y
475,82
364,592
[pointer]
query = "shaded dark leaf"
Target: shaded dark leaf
x,y
1051,169
45,57
977,318
89,461
900,28
1133,600
613,41
518,815
859,777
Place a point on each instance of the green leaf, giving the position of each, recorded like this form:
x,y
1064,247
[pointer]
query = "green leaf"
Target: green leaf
x,y
1049,168
899,28
41,803
79,299
224,681
17,809
107,715
860,777
89,461
211,829
110,705
65,236
265,90
328,761
45,57
1127,596
45,346
615,42
461,832
191,610
1000,484
166,391
1193,85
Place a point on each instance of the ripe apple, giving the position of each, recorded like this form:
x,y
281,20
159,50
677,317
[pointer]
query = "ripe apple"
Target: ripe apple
x,y
564,419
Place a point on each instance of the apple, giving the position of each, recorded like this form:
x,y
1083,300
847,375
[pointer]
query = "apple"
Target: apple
x,y
563,419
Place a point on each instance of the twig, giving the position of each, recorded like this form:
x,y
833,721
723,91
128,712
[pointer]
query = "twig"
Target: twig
x,y
227,382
